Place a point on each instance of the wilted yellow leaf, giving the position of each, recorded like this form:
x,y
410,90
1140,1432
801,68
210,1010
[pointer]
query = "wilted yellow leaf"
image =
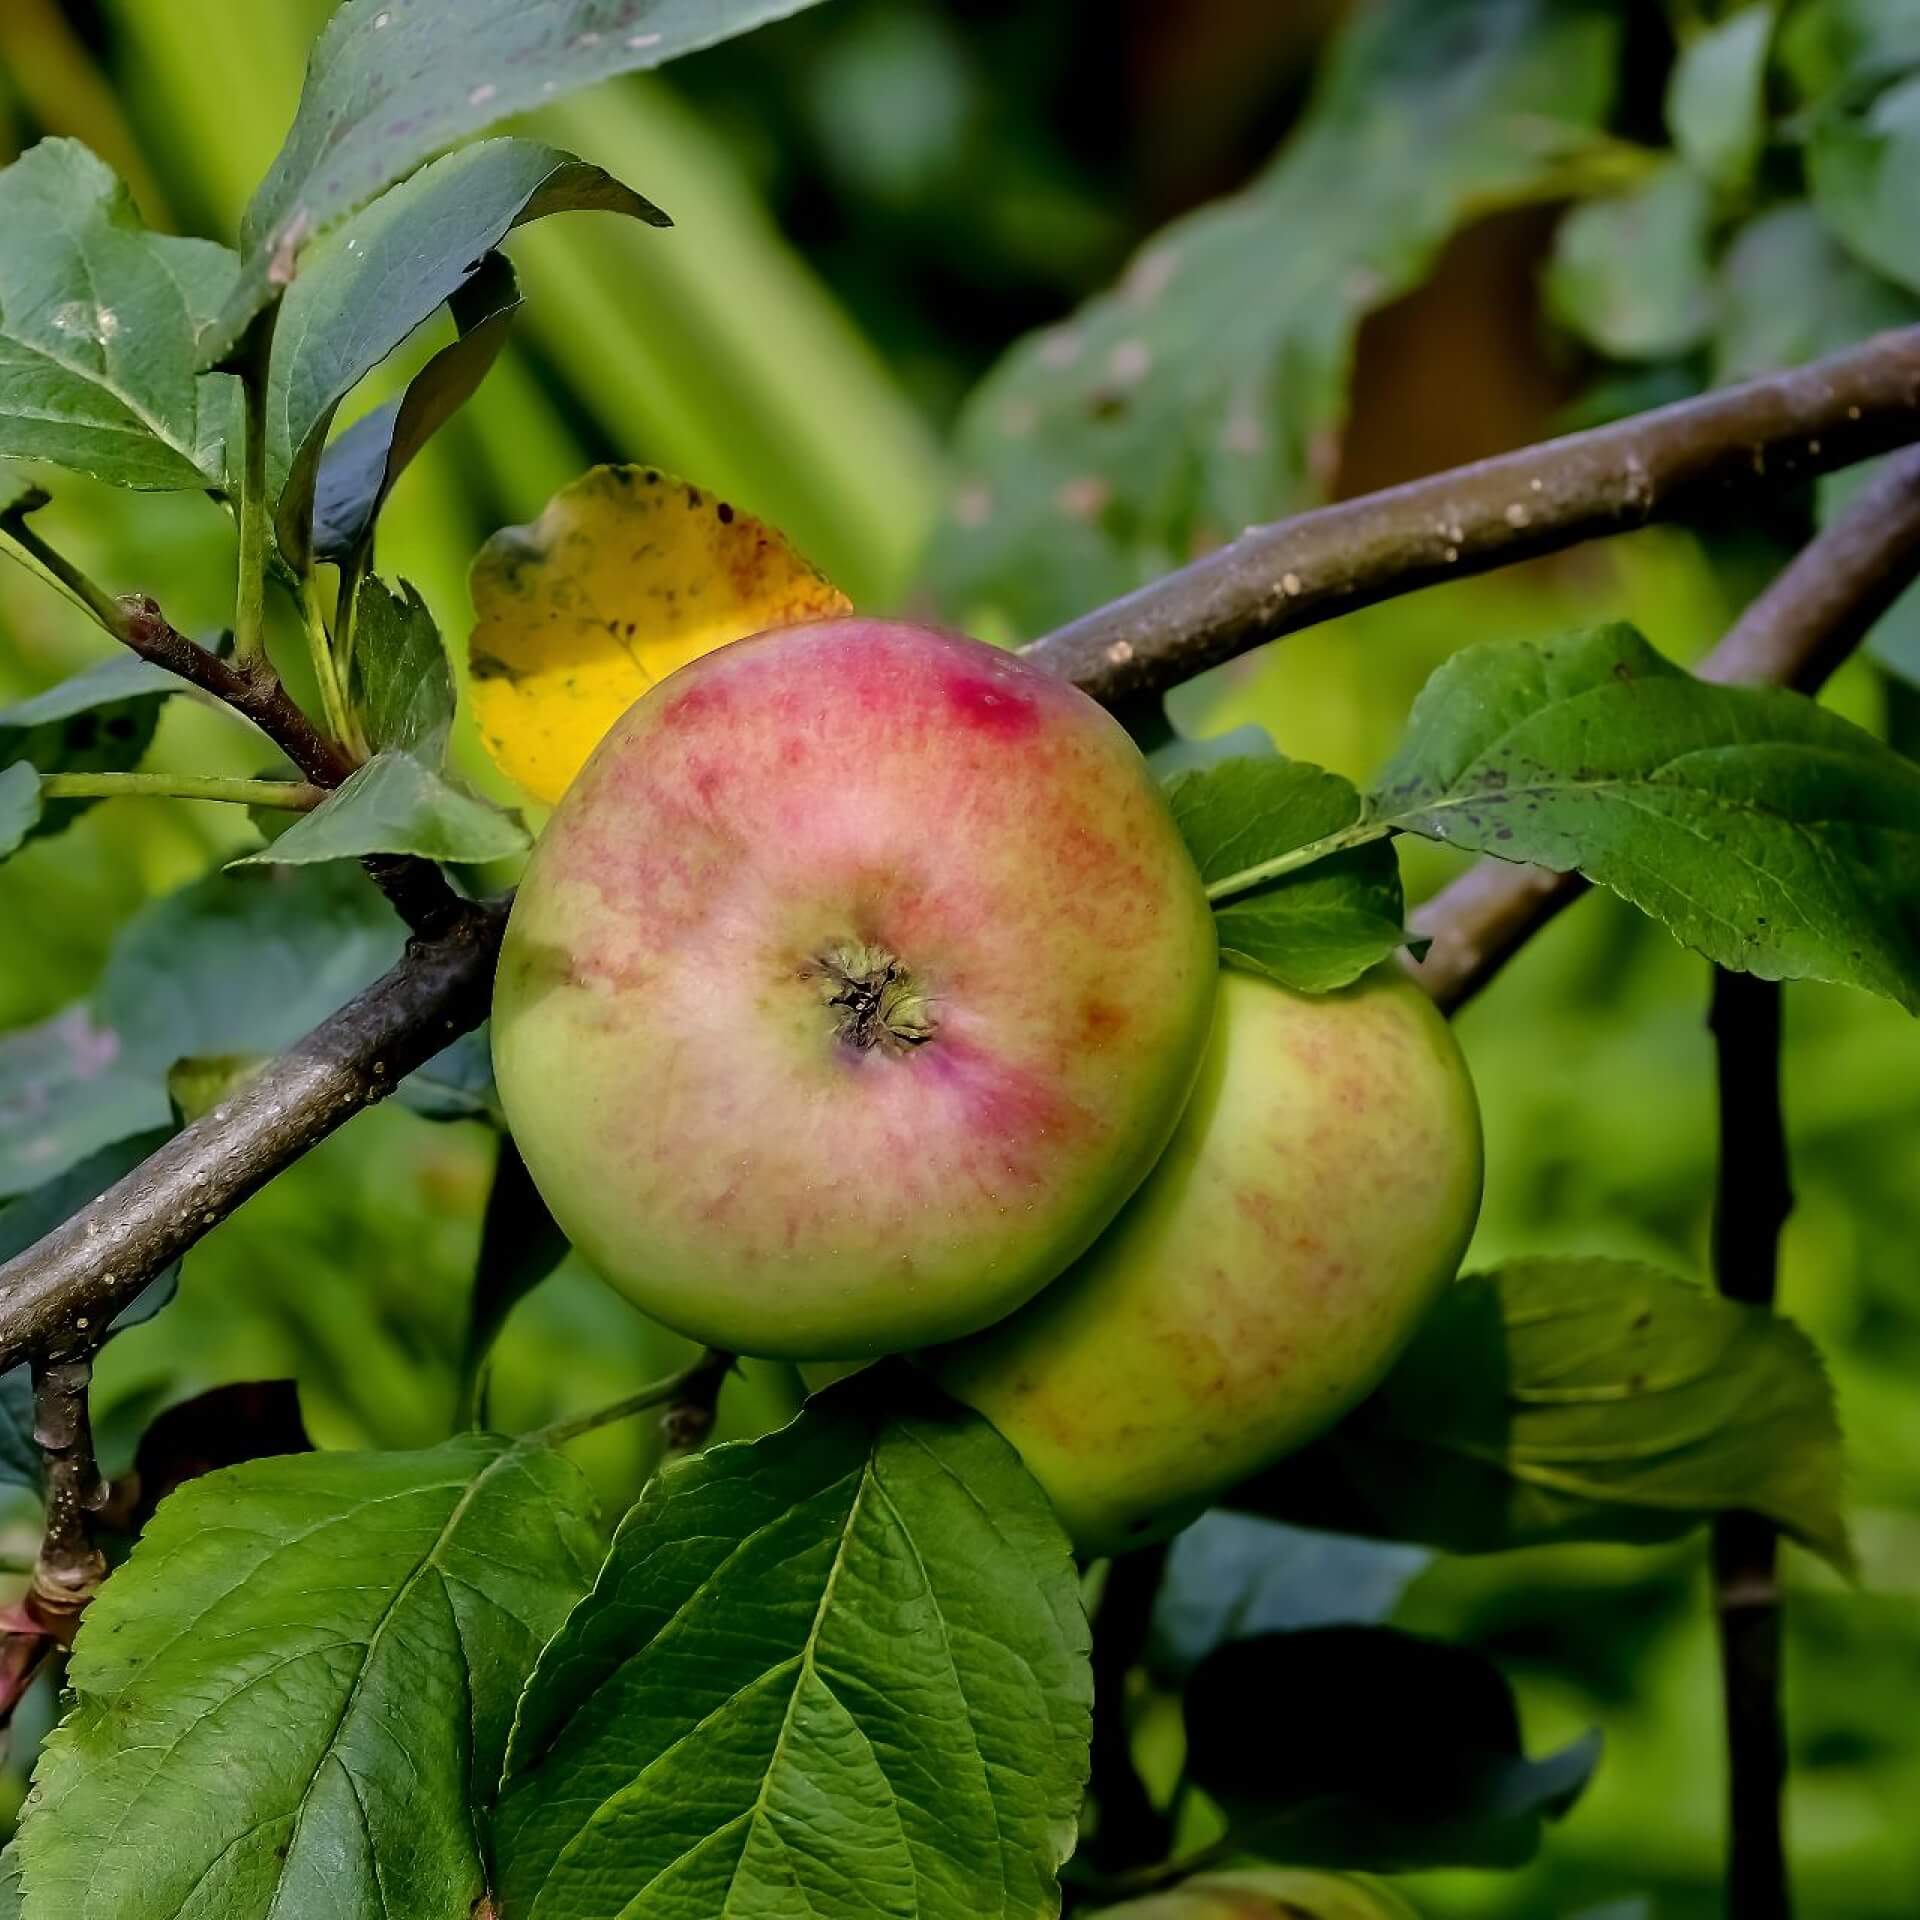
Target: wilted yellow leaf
x,y
628,574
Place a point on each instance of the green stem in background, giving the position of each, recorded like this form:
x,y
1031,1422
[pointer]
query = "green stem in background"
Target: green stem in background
x,y
346,607
292,796
333,699
661,1393
256,532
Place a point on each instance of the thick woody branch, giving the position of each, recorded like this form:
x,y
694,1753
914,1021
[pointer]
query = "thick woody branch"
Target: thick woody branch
x,y
1795,634
71,1566
1270,582
1664,465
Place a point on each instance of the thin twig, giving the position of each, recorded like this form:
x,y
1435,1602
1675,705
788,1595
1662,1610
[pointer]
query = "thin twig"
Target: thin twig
x,y
701,1379
1664,465
288,1109
1754,1198
256,532
1795,634
71,1566
688,1420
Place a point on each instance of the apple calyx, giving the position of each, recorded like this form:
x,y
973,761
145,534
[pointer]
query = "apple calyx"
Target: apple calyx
x,y
877,1001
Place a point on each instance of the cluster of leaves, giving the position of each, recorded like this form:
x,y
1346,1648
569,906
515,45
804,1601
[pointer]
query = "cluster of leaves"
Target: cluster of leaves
x,y
845,1667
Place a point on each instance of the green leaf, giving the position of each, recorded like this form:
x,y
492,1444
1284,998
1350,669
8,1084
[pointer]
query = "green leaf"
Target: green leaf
x,y
1789,292
366,287
10,1889
293,1696
99,721
1716,97
20,805
1758,828
66,1091
243,962
1313,930
359,467
1632,274
456,1084
1230,1575
1824,44
395,804
1268,1893
1580,1400
1414,1761
392,82
871,1612
399,683
1209,389
1861,168
97,320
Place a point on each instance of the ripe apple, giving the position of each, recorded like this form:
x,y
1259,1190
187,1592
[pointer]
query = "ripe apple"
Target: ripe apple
x,y
853,986
1317,1195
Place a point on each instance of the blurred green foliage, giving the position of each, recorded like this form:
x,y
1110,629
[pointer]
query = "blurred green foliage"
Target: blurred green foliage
x,y
872,201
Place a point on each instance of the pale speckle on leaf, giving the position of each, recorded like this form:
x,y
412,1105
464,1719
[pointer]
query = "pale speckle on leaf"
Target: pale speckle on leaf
x,y
1085,497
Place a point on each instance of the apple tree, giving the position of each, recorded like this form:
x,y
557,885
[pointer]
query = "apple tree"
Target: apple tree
x,y
1070,1098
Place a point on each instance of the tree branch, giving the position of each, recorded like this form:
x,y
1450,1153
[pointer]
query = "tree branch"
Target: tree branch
x,y
71,1566
1753,1201
95,1262
1663,465
1795,634
1131,1830
1854,405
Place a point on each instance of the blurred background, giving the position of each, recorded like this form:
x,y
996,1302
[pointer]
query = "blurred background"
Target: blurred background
x,y
998,307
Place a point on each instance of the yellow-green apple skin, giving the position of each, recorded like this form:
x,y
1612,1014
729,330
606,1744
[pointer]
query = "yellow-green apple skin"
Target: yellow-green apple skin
x,y
851,989
1317,1195
1268,1893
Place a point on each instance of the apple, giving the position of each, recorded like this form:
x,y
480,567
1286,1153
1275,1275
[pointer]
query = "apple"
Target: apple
x,y
852,987
1317,1195
1268,1893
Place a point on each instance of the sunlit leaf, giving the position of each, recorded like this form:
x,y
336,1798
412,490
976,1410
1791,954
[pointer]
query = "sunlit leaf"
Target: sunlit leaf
x,y
97,319
872,1611
395,804
1861,166
1716,97
399,683
1757,827
294,1694
1315,929
1580,1400
19,805
392,82
627,575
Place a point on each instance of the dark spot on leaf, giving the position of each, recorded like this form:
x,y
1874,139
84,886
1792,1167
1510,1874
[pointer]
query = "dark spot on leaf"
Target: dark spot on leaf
x,y
694,497
726,514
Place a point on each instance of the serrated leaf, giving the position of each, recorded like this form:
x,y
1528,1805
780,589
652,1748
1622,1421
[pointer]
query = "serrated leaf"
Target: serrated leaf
x,y
359,467
400,685
1860,169
1230,1575
107,683
1415,1759
1758,828
293,1695
1580,1400
365,288
1315,929
97,323
1716,97
1208,390
627,574
392,82
1632,274
19,805
1268,1893
67,1090
872,1611
395,804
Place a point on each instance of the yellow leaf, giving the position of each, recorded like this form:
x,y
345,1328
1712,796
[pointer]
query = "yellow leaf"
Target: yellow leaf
x,y
628,574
